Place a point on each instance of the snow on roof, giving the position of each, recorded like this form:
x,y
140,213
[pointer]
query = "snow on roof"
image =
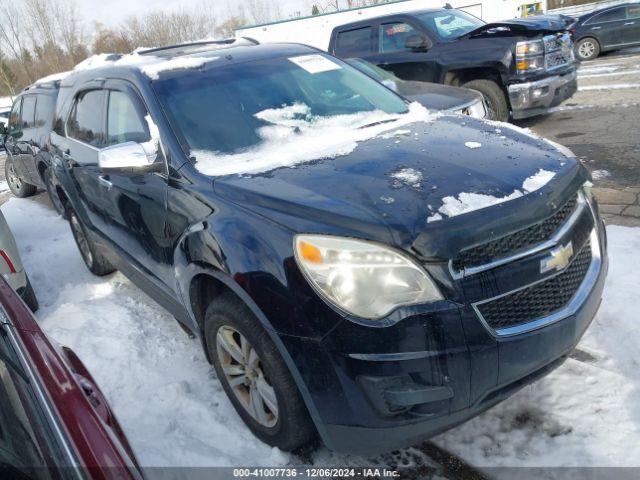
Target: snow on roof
x,y
150,65
53,77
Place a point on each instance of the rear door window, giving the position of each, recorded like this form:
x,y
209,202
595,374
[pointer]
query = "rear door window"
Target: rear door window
x,y
44,110
86,120
612,15
125,120
354,43
28,115
633,11
393,37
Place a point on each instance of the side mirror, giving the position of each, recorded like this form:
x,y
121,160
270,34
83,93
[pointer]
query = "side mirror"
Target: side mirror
x,y
127,156
418,43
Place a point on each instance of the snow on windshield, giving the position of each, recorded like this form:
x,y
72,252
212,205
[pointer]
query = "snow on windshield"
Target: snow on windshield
x,y
293,135
467,202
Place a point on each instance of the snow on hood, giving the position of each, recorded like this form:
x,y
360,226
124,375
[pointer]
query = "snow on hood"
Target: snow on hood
x,y
295,136
467,202
150,65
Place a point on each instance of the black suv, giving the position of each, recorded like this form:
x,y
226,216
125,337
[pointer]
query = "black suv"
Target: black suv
x,y
522,67
354,265
26,139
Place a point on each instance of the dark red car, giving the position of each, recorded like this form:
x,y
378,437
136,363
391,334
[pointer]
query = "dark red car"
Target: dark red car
x,y
54,421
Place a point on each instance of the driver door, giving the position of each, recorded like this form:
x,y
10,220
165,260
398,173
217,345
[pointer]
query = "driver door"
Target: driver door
x,y
404,62
136,199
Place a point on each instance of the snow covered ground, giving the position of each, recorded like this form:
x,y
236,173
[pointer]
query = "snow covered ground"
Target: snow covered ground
x,y
586,413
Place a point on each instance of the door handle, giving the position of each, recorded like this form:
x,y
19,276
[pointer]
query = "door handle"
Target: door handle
x,y
104,181
630,23
596,28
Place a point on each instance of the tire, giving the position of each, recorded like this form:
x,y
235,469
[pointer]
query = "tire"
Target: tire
x,y
29,297
494,96
18,187
587,49
227,319
58,206
90,252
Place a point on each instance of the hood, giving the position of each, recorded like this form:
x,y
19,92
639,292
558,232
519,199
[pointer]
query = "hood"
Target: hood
x,y
411,189
437,97
520,26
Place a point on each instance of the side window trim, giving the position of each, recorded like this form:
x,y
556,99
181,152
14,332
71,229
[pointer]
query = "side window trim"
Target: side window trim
x,y
17,127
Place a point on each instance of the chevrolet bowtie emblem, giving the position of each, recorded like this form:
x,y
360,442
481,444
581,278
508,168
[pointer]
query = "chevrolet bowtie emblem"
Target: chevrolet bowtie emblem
x,y
558,260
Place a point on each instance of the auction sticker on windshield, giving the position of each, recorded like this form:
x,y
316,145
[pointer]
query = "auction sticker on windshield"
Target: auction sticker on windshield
x,y
315,63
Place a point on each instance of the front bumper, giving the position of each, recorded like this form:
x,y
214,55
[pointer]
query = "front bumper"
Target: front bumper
x,y
536,98
436,370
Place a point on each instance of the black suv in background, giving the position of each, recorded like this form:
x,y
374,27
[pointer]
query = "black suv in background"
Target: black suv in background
x,y
606,29
26,139
522,67
354,265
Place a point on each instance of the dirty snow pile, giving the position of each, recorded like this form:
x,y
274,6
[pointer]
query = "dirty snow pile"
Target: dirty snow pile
x,y
175,413
308,137
467,202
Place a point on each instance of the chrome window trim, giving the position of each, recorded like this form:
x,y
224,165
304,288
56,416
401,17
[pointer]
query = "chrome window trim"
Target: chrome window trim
x,y
42,397
552,242
571,308
590,21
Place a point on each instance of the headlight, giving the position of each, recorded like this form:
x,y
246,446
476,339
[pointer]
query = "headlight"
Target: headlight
x,y
362,278
532,64
528,49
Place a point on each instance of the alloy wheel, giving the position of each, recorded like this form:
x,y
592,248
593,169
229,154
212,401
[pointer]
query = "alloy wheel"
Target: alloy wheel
x,y
587,49
13,179
244,373
81,239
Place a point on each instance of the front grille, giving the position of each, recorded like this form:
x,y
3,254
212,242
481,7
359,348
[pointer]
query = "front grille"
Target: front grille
x,y
558,51
539,300
520,240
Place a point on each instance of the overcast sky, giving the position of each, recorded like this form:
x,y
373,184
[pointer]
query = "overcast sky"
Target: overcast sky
x,y
112,12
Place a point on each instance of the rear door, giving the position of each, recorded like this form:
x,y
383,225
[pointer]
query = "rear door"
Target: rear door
x,y
85,136
631,32
608,26
45,106
137,199
27,143
14,135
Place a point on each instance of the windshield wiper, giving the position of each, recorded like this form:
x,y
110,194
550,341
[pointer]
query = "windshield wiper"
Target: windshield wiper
x,y
378,123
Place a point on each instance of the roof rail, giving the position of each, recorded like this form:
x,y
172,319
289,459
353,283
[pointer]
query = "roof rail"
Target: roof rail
x,y
221,42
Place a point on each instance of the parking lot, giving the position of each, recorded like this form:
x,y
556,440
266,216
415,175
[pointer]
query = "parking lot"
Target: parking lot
x,y
159,383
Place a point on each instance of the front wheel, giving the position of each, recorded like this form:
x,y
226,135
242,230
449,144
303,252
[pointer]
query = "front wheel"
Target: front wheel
x,y
587,49
17,186
93,258
494,97
254,375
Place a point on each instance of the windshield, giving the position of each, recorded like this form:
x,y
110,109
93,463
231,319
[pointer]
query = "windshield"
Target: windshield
x,y
450,24
232,109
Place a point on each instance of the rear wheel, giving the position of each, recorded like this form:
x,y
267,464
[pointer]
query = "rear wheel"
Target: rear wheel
x,y
93,258
18,187
254,375
53,194
587,49
494,97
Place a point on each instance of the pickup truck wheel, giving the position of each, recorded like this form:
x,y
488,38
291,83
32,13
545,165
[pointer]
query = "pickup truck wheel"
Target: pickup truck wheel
x,y
16,185
95,261
53,194
587,49
254,375
494,97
